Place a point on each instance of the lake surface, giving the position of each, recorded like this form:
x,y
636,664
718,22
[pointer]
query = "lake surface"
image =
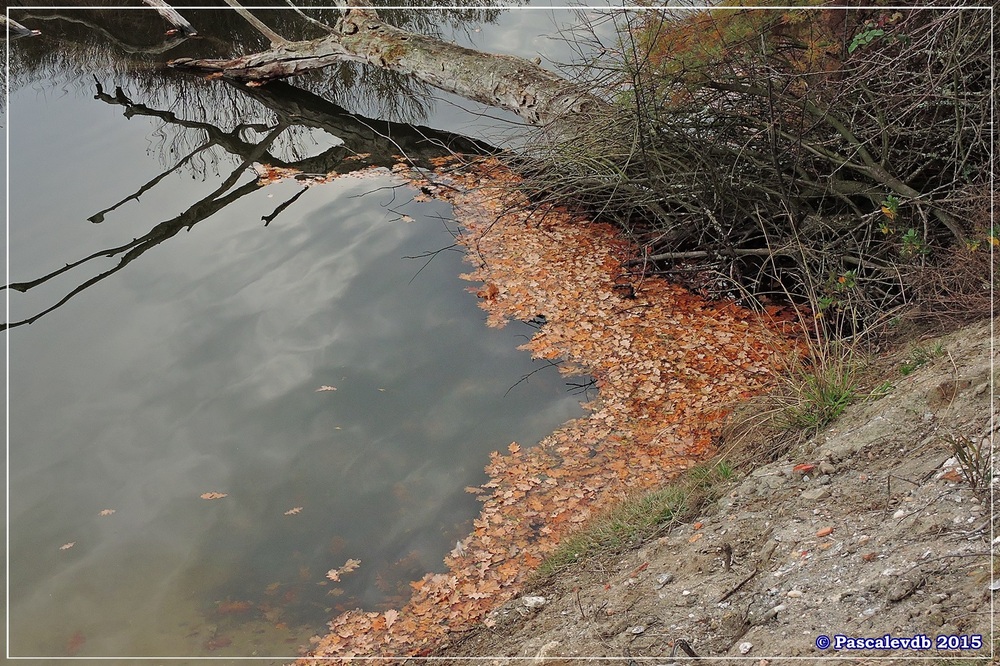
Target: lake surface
x,y
194,365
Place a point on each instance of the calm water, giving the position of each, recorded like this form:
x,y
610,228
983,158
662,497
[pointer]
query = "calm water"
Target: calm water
x,y
193,367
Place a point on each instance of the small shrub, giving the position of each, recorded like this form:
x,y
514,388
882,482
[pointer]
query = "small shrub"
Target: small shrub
x,y
973,455
816,391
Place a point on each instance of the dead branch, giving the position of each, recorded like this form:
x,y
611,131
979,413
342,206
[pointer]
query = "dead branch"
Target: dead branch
x,y
172,17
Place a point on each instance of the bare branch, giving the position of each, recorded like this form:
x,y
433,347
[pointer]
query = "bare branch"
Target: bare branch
x,y
172,17
275,39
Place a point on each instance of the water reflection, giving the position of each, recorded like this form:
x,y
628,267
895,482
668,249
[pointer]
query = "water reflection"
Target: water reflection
x,y
360,143
77,41
149,382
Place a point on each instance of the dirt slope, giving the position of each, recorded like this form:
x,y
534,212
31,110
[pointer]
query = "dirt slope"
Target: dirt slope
x,y
882,536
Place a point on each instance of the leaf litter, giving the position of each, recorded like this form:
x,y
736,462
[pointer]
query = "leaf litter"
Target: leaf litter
x,y
666,363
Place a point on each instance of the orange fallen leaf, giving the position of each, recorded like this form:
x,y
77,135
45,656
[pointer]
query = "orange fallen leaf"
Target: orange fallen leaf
x,y
218,642
390,617
212,496
826,531
803,468
951,475
74,643
230,607
639,569
488,292
698,525
695,537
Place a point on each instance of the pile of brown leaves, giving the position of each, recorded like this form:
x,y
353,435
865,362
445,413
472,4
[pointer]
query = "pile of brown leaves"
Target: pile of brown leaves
x,y
666,363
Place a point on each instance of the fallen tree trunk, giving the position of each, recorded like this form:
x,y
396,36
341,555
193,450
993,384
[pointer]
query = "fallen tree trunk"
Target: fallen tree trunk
x,y
537,95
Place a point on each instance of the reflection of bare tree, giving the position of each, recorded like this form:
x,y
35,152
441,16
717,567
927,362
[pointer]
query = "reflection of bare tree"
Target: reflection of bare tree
x,y
365,143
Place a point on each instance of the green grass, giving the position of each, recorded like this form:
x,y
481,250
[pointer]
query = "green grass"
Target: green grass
x,y
640,517
920,356
815,392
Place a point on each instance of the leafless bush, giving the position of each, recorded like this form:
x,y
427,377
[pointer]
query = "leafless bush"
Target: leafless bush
x,y
822,154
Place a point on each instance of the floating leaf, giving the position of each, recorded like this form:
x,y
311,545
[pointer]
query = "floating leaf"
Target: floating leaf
x,y
326,388
231,607
212,496
294,511
488,292
74,643
67,546
106,512
349,566
218,642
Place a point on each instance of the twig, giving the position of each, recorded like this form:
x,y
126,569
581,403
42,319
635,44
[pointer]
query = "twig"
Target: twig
x,y
727,557
578,602
259,26
740,585
685,647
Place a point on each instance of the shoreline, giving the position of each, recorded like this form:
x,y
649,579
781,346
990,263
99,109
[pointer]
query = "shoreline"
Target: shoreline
x,y
668,365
